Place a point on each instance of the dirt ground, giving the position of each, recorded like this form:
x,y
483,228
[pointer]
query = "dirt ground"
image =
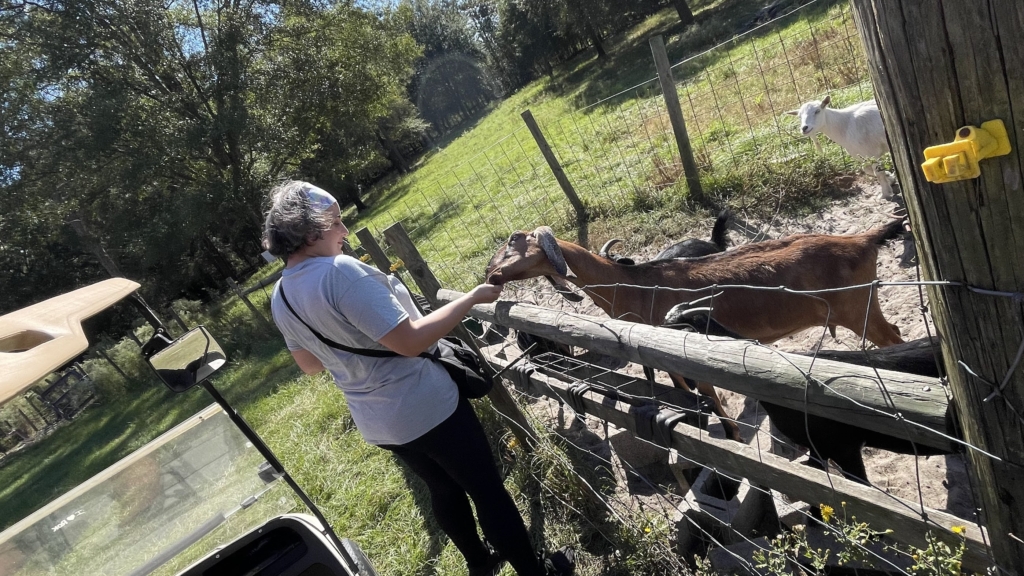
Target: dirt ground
x,y
939,482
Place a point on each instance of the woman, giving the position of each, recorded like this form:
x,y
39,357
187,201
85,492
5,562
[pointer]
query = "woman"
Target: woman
x,y
408,404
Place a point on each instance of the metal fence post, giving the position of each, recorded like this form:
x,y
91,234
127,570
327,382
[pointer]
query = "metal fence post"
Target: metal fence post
x,y
675,115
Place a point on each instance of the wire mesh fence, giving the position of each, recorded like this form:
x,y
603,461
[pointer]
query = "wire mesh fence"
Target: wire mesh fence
x,y
706,512
620,155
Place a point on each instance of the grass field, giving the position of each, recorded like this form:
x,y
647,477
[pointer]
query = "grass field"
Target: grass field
x,y
486,181
606,122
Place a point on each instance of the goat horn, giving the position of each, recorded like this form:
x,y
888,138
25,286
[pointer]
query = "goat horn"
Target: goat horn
x,y
608,246
546,239
691,312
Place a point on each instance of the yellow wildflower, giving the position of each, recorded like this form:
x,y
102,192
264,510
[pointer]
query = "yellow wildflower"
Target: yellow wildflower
x,y
364,258
826,512
647,529
398,264
513,442
958,529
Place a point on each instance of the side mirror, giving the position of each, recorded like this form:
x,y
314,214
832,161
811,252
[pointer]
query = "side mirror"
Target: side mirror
x,y
188,360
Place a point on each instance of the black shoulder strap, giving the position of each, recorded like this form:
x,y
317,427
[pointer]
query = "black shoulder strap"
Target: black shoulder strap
x,y
332,343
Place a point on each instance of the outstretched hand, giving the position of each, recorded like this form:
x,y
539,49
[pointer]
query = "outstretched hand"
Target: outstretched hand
x,y
484,294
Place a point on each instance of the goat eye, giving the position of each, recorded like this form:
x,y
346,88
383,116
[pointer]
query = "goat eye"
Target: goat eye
x,y
515,237
816,112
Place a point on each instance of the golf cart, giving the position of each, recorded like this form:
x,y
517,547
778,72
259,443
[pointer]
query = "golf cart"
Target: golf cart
x,y
205,498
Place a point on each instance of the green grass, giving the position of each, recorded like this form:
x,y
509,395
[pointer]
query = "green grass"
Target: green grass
x,y
620,153
486,181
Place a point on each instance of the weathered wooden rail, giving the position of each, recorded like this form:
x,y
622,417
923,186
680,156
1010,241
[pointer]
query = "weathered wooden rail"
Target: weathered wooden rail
x,y
907,520
912,407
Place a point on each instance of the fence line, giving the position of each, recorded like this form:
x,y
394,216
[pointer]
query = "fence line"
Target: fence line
x,y
618,151
591,384
839,487
619,156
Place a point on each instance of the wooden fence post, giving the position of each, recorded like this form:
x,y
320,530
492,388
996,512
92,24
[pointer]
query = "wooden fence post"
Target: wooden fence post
x,y
369,243
36,409
380,259
675,115
934,71
252,308
27,419
112,363
563,180
177,319
428,284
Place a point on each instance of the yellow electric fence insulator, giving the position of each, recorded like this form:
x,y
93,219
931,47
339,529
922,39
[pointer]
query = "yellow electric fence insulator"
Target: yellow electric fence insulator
x,y
959,159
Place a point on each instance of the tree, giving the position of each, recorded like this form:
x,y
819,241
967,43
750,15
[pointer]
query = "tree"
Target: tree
x,y
451,81
156,130
683,9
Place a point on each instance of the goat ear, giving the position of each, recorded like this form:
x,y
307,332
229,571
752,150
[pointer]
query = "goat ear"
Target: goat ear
x,y
826,101
547,242
564,290
793,112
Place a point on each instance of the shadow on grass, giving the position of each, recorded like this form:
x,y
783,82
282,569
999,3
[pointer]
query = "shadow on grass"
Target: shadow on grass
x,y
107,432
383,194
630,61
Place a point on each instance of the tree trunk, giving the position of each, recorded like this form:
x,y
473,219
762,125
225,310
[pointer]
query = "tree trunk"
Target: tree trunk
x,y
937,67
223,265
352,191
596,39
394,154
685,14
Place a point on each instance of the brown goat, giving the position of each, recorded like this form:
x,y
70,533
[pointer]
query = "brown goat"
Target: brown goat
x,y
645,292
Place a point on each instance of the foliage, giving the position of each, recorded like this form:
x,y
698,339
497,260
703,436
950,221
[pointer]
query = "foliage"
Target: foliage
x,y
451,81
154,130
938,558
852,539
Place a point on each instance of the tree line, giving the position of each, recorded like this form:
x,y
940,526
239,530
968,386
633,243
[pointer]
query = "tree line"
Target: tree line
x,y
140,136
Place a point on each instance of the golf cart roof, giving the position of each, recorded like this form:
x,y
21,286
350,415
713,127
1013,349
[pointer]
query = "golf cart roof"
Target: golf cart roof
x,y
39,339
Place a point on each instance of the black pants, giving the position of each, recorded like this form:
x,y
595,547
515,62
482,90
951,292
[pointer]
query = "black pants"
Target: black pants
x,y
455,461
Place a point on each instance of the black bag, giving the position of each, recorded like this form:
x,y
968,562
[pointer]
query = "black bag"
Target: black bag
x,y
464,367
459,360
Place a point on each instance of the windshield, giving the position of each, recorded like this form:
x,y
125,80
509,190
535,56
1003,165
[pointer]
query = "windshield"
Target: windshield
x,y
196,487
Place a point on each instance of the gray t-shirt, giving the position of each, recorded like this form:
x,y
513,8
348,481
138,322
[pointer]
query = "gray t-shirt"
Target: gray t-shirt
x,y
392,400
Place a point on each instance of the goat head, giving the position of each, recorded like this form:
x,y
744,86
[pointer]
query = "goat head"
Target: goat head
x,y
528,255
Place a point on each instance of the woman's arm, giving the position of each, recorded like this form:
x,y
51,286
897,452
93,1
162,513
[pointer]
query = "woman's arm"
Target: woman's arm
x,y
412,337
307,362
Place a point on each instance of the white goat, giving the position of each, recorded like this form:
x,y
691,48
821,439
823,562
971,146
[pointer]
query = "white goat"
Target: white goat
x,y
857,128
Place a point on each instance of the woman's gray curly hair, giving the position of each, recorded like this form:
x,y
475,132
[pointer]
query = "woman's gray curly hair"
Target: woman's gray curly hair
x,y
292,220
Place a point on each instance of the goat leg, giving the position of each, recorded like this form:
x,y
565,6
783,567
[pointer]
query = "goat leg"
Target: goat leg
x,y
732,430
882,177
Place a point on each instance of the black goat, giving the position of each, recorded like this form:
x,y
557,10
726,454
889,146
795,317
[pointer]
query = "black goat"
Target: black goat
x,y
689,248
694,247
827,439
